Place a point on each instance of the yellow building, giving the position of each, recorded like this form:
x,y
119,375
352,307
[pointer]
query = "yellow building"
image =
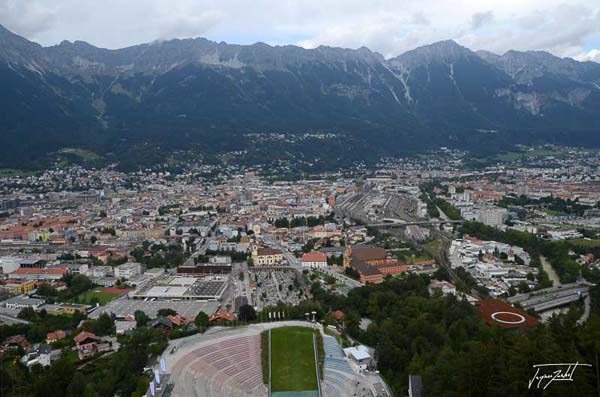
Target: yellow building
x,y
64,309
267,256
20,287
39,235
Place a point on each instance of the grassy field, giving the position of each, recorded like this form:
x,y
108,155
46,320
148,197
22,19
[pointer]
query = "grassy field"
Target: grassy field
x,y
9,172
81,153
102,297
432,247
412,256
586,243
519,153
292,359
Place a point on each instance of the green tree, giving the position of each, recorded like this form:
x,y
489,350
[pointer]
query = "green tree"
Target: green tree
x,y
80,284
246,313
90,391
103,325
77,386
166,312
141,318
352,322
201,321
28,314
47,290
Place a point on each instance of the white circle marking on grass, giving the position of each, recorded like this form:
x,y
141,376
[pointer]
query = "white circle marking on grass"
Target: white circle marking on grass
x,y
520,320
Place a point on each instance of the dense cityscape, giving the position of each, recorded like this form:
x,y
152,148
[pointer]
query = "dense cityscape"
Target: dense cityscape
x,y
95,262
317,198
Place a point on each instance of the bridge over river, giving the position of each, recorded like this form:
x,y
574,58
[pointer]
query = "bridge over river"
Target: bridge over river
x,y
554,297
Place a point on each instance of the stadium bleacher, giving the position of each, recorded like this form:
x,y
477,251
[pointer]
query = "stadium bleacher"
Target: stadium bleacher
x,y
230,367
339,377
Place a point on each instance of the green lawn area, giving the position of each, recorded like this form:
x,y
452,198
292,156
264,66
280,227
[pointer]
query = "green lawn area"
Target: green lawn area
x,y
292,359
586,243
529,153
432,247
412,254
102,297
509,156
81,153
8,172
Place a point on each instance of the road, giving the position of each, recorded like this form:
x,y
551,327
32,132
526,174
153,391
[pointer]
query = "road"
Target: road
x,y
443,215
274,277
246,283
238,288
553,297
587,308
345,283
336,271
291,259
442,260
4,319
200,250
552,275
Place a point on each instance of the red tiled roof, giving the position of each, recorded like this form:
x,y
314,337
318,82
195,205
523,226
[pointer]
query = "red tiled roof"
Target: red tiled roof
x,y
18,340
366,254
82,336
268,251
24,270
314,257
56,335
222,315
338,315
177,320
474,240
58,271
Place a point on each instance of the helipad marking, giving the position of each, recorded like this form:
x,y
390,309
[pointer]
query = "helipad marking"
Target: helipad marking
x,y
520,320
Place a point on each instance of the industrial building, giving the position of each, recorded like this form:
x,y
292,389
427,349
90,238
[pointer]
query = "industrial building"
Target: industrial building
x,y
182,288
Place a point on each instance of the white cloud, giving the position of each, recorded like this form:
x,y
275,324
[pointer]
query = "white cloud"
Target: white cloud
x,y
562,30
27,17
479,19
563,27
419,18
592,55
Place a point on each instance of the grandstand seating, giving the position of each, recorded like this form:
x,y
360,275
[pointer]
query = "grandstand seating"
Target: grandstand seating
x,y
339,377
230,367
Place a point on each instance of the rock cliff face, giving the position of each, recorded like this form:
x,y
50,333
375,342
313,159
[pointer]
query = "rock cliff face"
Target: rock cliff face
x,y
173,93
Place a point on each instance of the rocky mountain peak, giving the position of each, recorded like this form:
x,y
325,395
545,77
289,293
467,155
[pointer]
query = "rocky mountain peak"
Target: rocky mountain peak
x,y
447,51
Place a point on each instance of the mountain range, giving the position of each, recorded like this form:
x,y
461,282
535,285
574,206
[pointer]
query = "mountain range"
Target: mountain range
x,y
154,99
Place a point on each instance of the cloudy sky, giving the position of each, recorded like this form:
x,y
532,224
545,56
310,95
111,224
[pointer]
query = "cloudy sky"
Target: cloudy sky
x,y
563,27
